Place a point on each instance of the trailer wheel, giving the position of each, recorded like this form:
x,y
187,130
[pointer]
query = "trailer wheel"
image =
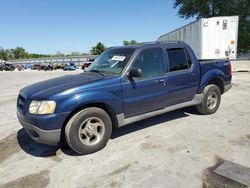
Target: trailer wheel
x,y
211,100
88,131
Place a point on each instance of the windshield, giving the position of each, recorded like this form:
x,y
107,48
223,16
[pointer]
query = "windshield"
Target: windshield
x,y
112,61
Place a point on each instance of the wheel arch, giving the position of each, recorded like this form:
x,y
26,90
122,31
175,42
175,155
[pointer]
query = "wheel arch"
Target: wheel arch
x,y
218,82
107,108
215,77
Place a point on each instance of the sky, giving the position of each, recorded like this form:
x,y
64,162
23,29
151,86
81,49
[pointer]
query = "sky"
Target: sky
x,y
48,26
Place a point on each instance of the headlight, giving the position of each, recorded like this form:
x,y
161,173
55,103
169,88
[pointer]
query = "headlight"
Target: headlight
x,y
42,107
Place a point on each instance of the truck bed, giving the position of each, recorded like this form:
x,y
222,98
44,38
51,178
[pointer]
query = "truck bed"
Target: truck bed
x,y
222,65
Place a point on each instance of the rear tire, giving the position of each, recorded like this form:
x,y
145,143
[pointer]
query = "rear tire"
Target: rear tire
x,y
88,131
211,100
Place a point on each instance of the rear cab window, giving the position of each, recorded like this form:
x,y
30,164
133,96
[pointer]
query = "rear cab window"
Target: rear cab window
x,y
178,59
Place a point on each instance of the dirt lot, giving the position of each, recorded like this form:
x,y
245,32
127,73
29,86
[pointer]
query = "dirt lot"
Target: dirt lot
x,y
171,150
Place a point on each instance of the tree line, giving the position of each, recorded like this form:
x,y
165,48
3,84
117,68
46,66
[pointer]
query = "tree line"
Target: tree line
x,y
20,53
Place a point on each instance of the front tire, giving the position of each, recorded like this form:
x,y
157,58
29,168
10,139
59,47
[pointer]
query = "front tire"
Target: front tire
x,y
88,131
211,100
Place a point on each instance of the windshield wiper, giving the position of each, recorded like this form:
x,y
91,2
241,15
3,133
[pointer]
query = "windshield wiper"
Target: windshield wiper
x,y
97,71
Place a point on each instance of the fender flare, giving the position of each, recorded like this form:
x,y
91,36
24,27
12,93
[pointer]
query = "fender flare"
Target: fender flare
x,y
210,75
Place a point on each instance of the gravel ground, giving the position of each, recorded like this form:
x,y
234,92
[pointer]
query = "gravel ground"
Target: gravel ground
x,y
170,150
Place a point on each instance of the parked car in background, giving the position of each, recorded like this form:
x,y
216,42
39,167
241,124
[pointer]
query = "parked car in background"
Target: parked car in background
x,y
27,66
1,66
70,67
19,67
42,66
62,66
46,67
122,86
9,67
57,66
35,67
87,64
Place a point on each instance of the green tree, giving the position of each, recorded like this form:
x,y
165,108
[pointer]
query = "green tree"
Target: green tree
x,y
9,54
19,53
127,43
98,49
210,8
3,55
33,56
75,53
59,54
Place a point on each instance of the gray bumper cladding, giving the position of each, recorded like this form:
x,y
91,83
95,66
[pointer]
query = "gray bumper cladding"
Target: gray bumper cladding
x,y
41,136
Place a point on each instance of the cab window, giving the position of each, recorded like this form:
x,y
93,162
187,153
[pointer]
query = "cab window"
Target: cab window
x,y
178,59
151,62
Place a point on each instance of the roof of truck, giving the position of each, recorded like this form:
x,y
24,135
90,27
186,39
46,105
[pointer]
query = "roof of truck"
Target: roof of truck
x,y
139,45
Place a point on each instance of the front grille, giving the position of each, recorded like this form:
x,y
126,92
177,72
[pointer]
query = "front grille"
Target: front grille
x,y
20,102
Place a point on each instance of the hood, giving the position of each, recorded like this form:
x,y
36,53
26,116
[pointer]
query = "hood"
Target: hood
x,y
46,88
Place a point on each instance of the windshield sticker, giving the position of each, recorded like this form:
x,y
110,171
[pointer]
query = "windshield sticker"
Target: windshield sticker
x,y
118,58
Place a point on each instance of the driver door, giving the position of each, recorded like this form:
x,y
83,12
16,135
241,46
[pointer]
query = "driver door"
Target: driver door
x,y
145,94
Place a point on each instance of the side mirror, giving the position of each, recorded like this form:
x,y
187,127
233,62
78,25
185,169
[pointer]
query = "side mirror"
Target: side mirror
x,y
135,73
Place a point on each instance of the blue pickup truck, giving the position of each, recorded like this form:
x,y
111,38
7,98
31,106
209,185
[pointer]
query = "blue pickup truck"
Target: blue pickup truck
x,y
122,86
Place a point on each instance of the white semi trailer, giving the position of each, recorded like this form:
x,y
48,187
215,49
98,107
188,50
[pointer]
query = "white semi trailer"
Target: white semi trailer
x,y
210,38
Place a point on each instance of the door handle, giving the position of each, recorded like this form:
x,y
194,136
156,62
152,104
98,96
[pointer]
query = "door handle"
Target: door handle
x,y
163,81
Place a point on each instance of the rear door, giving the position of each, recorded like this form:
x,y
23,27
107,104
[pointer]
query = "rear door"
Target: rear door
x,y
183,75
145,94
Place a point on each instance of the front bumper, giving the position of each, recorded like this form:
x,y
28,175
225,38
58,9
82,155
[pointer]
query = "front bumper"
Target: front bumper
x,y
45,129
51,137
